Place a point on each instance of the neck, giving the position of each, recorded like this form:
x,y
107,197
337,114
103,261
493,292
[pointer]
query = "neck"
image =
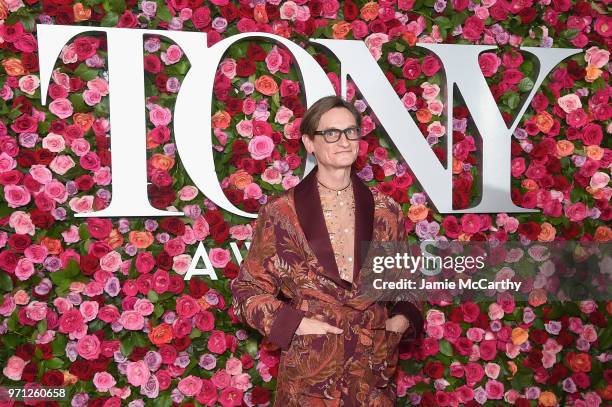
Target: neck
x,y
334,178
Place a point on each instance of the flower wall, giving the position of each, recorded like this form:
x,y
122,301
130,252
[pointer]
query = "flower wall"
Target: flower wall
x,y
100,306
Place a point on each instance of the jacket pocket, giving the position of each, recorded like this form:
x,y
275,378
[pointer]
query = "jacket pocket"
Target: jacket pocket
x,y
314,363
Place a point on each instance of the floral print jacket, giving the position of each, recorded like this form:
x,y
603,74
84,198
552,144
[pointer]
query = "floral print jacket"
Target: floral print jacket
x,y
290,272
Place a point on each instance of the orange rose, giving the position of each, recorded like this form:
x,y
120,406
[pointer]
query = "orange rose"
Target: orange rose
x,y
141,240
409,37
369,11
592,73
69,378
537,297
565,148
260,14
603,234
417,212
512,367
580,362
54,246
547,399
594,152
423,115
13,67
519,336
204,305
83,120
544,121
547,232
3,11
161,334
529,184
162,162
221,120
266,85
151,144
457,166
81,13
115,239
340,30
240,179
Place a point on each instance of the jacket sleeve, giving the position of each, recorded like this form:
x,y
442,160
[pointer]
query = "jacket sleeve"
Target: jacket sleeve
x,y
412,309
257,285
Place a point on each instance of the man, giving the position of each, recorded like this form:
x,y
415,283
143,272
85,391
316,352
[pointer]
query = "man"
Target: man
x,y
337,347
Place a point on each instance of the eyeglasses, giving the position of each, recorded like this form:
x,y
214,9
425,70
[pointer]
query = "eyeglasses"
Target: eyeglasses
x,y
333,135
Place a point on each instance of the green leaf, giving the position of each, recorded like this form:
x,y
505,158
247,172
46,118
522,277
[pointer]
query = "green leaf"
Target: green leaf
x,y
54,363
6,284
163,13
85,73
110,20
525,85
605,339
446,348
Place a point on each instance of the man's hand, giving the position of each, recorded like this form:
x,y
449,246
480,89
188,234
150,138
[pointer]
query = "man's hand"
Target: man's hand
x,y
397,323
315,326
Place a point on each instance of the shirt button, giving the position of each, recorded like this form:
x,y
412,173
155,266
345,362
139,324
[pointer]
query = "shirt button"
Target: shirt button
x,y
350,259
345,230
341,203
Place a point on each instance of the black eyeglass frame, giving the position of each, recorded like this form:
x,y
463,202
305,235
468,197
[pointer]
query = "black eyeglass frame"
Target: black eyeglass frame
x,y
339,133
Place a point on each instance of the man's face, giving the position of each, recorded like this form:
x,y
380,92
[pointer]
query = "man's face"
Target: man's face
x,y
340,154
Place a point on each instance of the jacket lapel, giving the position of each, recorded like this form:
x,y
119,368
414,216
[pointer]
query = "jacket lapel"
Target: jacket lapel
x,y
310,216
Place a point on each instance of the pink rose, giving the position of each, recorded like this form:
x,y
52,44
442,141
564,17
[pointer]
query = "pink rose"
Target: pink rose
x,y
111,261
61,107
488,349
231,396
576,212
219,257
489,63
252,190
288,10
24,269
41,173
132,320
28,84
221,379
98,84
261,147
103,381
494,390
37,310
21,222
216,342
61,164
569,102
172,55
137,373
190,385
89,310
435,317
290,181
597,57
187,306
92,97
14,368
88,347
16,195
473,373
160,116
245,128
274,60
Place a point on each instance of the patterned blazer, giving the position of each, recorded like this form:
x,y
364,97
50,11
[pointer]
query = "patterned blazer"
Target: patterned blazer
x,y
290,272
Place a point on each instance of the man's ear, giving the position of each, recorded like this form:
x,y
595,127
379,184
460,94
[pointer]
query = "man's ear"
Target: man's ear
x,y
307,143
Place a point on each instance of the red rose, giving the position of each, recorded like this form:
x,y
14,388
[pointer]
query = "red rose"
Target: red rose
x,y
255,52
472,28
53,378
201,17
197,287
173,225
24,124
351,11
260,395
530,230
152,64
127,20
459,5
411,69
434,369
176,284
431,65
86,47
245,67
81,369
